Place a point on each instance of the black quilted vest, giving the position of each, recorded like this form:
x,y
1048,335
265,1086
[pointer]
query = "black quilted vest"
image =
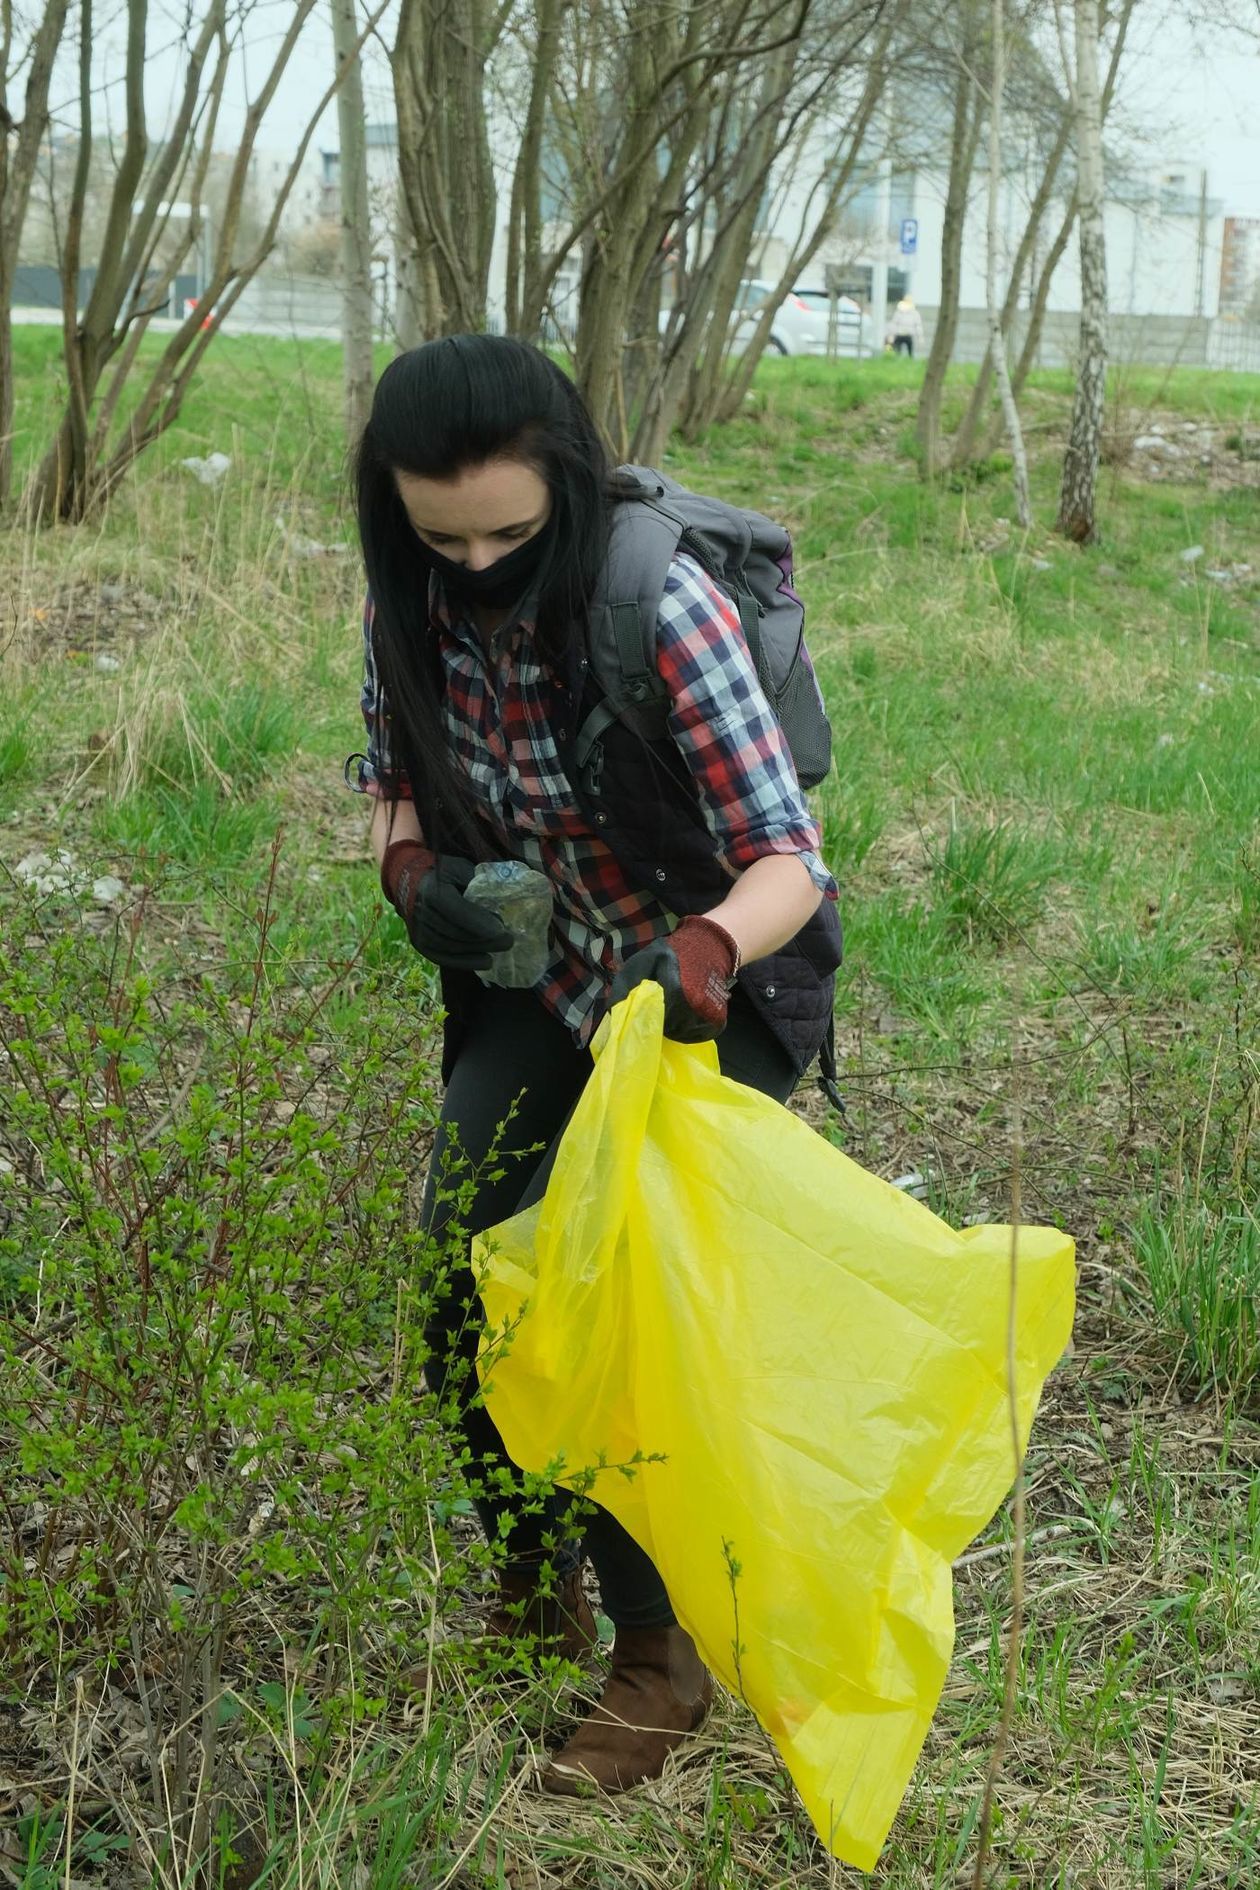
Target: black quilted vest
x,y
639,797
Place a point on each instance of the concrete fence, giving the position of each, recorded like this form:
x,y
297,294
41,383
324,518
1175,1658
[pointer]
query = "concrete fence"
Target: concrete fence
x,y
310,306
1235,344
38,286
1148,340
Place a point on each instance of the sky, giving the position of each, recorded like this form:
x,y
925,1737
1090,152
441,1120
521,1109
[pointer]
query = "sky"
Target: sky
x,y
1190,93
1203,87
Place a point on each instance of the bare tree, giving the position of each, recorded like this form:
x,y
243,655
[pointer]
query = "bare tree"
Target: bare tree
x,y
633,107
1080,463
446,178
997,335
711,243
967,119
719,388
538,46
20,141
815,92
654,126
356,222
139,252
965,445
649,131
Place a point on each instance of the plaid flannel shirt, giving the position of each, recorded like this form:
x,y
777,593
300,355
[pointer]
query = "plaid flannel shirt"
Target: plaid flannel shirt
x,y
498,718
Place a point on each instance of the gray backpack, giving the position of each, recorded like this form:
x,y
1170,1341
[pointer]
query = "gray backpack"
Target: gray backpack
x,y
750,557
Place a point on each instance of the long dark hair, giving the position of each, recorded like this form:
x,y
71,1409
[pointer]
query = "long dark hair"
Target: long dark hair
x,y
438,411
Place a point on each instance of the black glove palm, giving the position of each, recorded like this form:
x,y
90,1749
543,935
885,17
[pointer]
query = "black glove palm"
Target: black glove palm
x,y
441,923
695,967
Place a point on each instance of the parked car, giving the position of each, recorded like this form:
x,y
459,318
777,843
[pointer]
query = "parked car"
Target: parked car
x,y
802,321
855,329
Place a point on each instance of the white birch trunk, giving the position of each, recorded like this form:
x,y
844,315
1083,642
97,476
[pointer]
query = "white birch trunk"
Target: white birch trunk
x,y
1080,462
356,233
997,339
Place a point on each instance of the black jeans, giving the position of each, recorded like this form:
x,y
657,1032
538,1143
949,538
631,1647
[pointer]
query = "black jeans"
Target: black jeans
x,y
517,1053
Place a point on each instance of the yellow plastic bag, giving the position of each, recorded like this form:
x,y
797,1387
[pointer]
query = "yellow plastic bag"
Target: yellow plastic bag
x,y
815,1365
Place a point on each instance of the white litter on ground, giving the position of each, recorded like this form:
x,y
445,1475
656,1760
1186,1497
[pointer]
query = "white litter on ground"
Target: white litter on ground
x,y
211,470
47,873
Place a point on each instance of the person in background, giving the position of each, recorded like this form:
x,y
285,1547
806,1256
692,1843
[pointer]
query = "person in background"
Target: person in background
x,y
905,329
485,504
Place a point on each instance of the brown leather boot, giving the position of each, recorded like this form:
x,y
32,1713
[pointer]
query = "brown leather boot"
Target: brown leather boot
x,y
560,1622
658,1692
524,1624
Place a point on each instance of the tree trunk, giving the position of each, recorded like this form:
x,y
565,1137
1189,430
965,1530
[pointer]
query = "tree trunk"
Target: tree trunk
x,y
628,215
525,298
356,230
728,260
60,489
738,383
1080,464
963,448
997,336
1031,344
446,179
129,290
19,153
964,138
412,296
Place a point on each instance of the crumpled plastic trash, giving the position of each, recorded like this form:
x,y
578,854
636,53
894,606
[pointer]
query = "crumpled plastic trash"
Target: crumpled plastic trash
x,y
805,1370
211,470
50,873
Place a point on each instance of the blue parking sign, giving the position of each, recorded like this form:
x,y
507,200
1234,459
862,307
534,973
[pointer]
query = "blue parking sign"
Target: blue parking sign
x,y
909,235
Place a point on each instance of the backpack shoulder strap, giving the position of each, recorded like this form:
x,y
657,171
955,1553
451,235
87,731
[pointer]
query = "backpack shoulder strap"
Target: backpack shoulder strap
x,y
720,537
642,544
621,638
655,520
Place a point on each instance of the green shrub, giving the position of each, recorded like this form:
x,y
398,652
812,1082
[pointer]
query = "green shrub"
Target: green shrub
x,y
214,1297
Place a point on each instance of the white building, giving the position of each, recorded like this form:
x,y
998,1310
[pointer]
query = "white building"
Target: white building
x,y
1165,236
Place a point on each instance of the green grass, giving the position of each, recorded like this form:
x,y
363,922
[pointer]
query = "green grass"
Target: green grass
x,y
15,747
1045,820
1203,1271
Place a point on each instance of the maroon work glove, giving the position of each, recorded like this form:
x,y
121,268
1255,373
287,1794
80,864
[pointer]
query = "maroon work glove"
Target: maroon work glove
x,y
695,967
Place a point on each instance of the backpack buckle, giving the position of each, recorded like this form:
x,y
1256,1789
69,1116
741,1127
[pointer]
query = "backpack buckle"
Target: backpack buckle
x,y
593,771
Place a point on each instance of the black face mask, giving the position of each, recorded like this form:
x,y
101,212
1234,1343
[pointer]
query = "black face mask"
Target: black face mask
x,y
498,584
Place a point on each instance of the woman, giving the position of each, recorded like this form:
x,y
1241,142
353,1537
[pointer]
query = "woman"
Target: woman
x,y
485,503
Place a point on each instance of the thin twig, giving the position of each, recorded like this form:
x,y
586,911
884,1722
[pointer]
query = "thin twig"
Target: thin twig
x,y
1019,1544
74,1775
